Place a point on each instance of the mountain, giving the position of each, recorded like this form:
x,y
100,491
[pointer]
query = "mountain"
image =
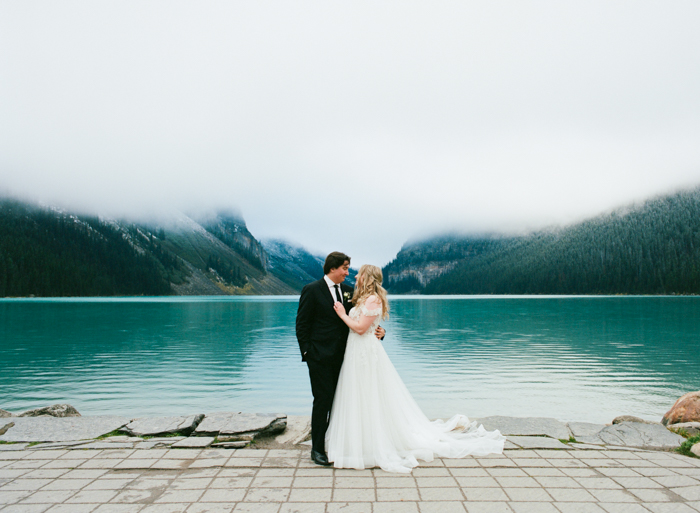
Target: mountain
x,y
47,252
650,248
419,263
50,252
292,264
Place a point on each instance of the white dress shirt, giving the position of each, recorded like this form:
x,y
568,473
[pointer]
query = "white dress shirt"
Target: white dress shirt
x,y
331,287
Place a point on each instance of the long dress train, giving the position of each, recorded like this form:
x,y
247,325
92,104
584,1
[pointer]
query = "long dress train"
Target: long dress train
x,y
375,422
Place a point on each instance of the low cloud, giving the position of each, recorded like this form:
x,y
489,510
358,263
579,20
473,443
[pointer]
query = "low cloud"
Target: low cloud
x,y
352,127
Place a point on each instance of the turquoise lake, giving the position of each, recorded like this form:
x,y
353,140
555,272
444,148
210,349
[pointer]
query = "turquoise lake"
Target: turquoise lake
x,y
572,358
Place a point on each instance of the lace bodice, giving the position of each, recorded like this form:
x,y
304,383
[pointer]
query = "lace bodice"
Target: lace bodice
x,y
356,312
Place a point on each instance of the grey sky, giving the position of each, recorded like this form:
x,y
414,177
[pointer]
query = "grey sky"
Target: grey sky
x,y
351,125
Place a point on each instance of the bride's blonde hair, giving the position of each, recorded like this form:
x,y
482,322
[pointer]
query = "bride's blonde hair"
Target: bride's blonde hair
x,y
370,283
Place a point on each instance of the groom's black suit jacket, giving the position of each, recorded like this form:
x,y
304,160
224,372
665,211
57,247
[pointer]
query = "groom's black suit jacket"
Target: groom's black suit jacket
x,y
322,335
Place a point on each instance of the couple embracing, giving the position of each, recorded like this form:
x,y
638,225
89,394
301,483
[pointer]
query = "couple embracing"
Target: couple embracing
x,y
363,415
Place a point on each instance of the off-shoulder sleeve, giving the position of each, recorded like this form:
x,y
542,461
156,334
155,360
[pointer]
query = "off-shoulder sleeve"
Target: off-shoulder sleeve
x,y
370,313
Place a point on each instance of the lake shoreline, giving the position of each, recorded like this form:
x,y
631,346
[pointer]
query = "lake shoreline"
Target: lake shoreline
x,y
235,430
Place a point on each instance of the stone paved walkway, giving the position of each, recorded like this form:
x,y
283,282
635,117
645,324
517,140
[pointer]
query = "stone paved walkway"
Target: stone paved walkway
x,y
285,481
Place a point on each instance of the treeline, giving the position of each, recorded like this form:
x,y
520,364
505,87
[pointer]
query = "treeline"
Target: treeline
x,y
653,248
229,273
43,253
650,249
436,252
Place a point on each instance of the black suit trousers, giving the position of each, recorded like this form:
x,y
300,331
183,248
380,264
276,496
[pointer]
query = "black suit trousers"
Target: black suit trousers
x,y
324,378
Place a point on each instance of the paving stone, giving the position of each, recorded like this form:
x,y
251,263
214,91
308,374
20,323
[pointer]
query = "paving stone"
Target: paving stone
x,y
575,445
528,494
533,507
536,442
689,493
154,426
485,494
66,429
107,445
232,424
194,442
395,507
634,434
60,445
297,507
487,507
527,426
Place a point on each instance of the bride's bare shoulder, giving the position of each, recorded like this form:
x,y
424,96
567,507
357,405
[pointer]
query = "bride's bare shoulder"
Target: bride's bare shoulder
x,y
372,302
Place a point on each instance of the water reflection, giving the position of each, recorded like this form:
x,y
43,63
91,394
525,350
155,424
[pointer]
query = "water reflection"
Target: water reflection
x,y
569,358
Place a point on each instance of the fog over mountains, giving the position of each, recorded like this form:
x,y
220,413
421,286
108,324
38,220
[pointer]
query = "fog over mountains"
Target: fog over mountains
x,y
648,248
52,252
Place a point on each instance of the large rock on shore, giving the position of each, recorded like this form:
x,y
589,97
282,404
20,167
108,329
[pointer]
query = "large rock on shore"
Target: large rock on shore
x,y
526,426
4,414
51,429
586,432
155,426
55,410
643,435
692,428
685,409
695,449
631,418
232,425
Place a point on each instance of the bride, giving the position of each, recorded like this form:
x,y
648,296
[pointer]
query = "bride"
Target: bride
x,y
374,421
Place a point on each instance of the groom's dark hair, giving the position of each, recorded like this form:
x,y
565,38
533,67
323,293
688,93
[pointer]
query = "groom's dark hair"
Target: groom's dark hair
x,y
335,260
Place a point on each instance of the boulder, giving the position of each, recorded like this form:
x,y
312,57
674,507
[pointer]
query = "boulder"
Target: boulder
x,y
695,449
154,426
297,430
586,432
685,409
642,435
241,426
52,429
5,426
526,426
4,414
692,428
631,418
55,410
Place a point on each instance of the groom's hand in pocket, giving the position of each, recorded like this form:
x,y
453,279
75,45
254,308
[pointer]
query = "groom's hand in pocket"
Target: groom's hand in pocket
x,y
379,333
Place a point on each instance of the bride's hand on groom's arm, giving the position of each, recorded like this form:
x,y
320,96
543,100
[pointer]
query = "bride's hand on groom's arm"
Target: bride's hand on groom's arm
x,y
379,333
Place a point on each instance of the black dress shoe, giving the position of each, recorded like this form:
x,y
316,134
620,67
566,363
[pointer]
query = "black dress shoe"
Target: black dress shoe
x,y
319,458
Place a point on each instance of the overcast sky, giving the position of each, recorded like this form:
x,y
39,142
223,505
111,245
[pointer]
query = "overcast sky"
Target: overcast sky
x,y
351,125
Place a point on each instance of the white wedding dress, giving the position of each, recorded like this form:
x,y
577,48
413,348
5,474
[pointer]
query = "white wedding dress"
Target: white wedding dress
x,y
375,422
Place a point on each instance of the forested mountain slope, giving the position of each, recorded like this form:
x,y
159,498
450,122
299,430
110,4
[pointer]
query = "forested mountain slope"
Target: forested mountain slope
x,y
50,252
651,248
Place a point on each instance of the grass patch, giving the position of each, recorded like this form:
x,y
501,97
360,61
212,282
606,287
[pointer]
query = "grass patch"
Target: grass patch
x,y
32,444
166,435
571,440
5,442
682,432
685,446
116,432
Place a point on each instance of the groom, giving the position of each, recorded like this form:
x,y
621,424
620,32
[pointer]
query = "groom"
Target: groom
x,y
322,337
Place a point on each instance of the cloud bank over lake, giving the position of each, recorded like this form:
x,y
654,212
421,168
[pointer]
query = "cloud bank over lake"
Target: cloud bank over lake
x,y
352,127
